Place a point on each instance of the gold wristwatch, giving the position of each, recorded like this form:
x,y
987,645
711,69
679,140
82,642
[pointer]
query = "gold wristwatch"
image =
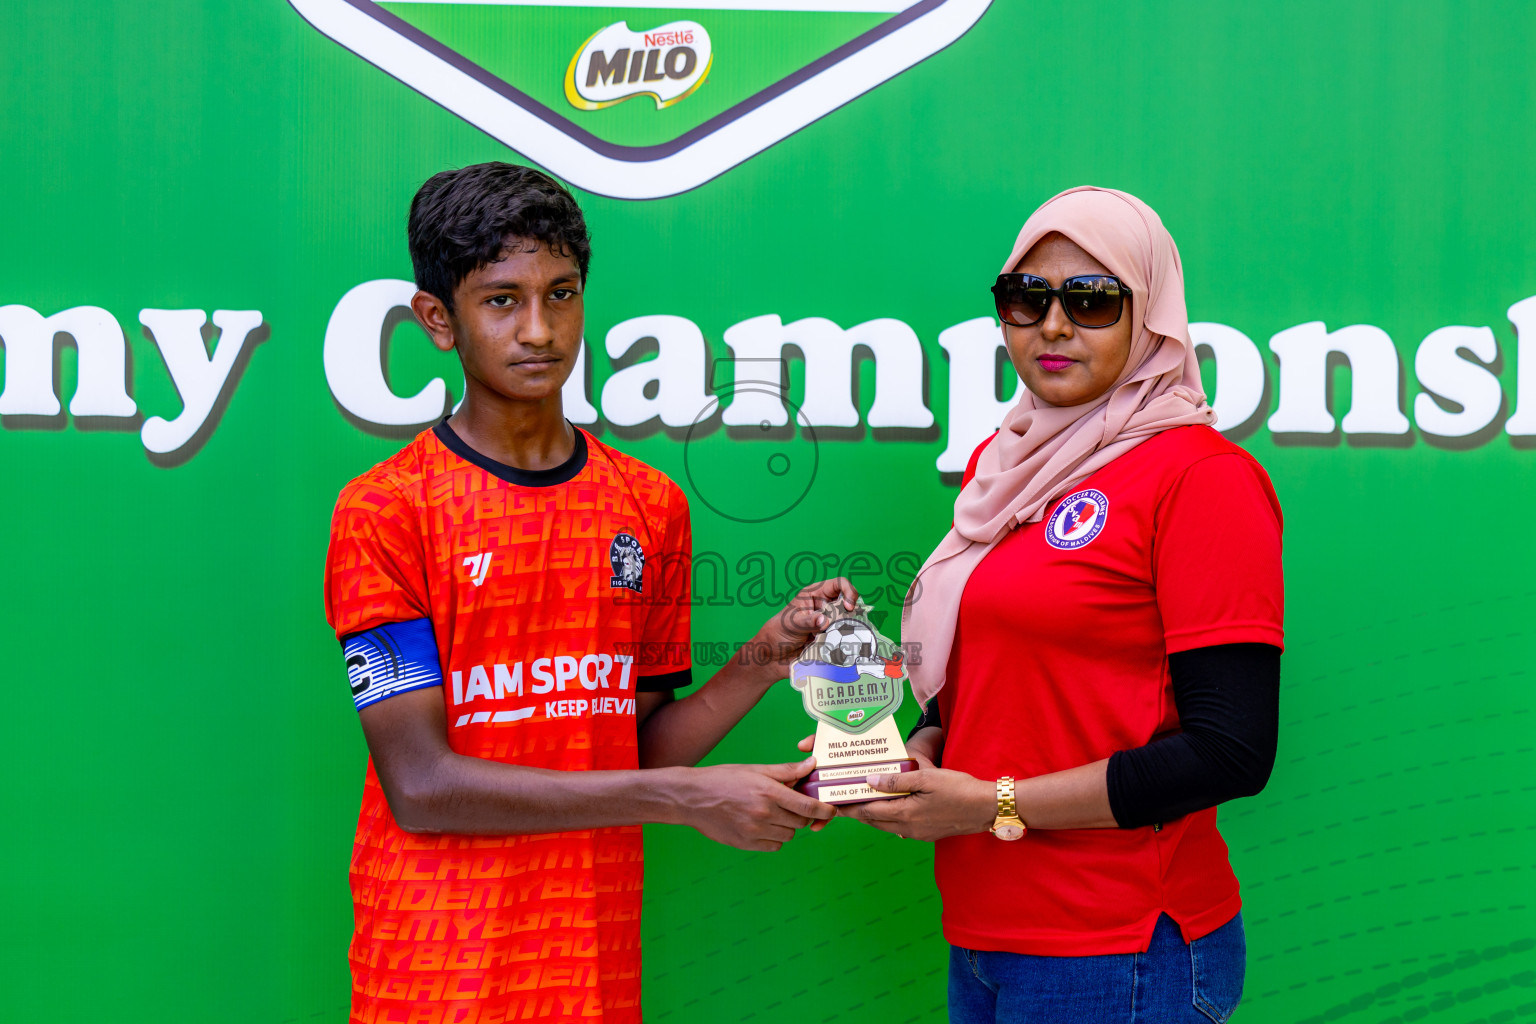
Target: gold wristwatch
x,y
1007,826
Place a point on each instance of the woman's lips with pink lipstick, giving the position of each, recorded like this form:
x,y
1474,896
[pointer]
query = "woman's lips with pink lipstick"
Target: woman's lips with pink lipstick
x,y
1053,363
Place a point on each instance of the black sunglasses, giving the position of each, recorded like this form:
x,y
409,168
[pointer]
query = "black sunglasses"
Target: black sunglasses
x,y
1089,300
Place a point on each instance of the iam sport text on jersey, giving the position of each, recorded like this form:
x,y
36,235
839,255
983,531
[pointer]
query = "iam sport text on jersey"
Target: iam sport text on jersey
x,y
591,672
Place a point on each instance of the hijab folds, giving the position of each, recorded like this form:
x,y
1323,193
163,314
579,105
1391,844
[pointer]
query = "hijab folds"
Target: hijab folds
x,y
1042,451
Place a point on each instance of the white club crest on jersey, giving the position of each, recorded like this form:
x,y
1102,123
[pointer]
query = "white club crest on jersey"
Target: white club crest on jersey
x,y
628,561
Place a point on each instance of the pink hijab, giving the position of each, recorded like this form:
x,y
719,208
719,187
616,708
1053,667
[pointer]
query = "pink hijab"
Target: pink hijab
x,y
1043,451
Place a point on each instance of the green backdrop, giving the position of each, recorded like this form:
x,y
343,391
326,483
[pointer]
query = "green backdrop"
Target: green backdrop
x,y
182,762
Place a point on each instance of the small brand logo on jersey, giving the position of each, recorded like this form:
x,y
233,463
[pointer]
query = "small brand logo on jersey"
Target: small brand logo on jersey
x,y
616,63
478,566
1077,520
628,562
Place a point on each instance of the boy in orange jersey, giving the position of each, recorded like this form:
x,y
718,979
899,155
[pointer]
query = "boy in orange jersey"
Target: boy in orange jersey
x,y
512,596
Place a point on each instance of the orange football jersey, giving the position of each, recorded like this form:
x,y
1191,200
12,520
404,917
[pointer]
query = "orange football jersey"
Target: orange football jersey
x,y
553,597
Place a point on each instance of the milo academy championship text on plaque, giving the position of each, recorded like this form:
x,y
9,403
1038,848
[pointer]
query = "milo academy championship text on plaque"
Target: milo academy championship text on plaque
x,y
851,679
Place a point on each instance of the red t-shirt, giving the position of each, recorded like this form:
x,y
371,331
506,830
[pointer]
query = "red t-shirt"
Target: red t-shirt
x,y
553,596
1061,659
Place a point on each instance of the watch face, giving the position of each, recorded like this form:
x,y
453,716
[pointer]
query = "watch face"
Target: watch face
x,y
1008,832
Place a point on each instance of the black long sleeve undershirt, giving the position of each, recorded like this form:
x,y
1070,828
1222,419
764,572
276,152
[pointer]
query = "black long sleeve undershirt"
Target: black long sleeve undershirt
x,y
1228,699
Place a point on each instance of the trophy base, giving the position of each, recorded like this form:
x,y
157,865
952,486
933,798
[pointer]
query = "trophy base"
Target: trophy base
x,y
846,785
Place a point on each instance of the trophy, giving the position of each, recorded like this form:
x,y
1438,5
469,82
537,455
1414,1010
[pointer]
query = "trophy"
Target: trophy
x,y
851,679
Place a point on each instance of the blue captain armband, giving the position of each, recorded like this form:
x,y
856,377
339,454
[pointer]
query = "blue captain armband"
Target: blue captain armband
x,y
391,659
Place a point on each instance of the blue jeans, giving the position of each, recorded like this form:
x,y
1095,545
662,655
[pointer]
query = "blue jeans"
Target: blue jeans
x,y
1171,983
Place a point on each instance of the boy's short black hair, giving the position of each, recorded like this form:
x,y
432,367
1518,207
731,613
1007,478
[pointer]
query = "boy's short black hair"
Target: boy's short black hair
x,y
462,220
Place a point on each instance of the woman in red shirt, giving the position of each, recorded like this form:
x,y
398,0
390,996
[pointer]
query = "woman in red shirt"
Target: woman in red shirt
x,y
1100,638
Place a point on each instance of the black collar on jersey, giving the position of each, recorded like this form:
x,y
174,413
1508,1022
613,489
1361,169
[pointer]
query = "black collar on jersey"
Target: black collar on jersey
x,y
560,474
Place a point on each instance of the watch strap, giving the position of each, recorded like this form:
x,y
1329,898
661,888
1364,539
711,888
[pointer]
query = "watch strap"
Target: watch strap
x,y
1006,807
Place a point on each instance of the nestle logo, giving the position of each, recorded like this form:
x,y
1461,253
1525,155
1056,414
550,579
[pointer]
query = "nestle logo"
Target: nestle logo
x,y
684,38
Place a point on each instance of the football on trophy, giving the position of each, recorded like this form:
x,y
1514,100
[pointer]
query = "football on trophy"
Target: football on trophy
x,y
849,640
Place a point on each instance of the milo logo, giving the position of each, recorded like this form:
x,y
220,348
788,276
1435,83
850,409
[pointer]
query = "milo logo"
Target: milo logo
x,y
856,716
616,63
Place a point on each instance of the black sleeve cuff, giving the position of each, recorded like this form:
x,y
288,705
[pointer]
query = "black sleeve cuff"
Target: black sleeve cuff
x,y
1120,802
666,681
929,717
